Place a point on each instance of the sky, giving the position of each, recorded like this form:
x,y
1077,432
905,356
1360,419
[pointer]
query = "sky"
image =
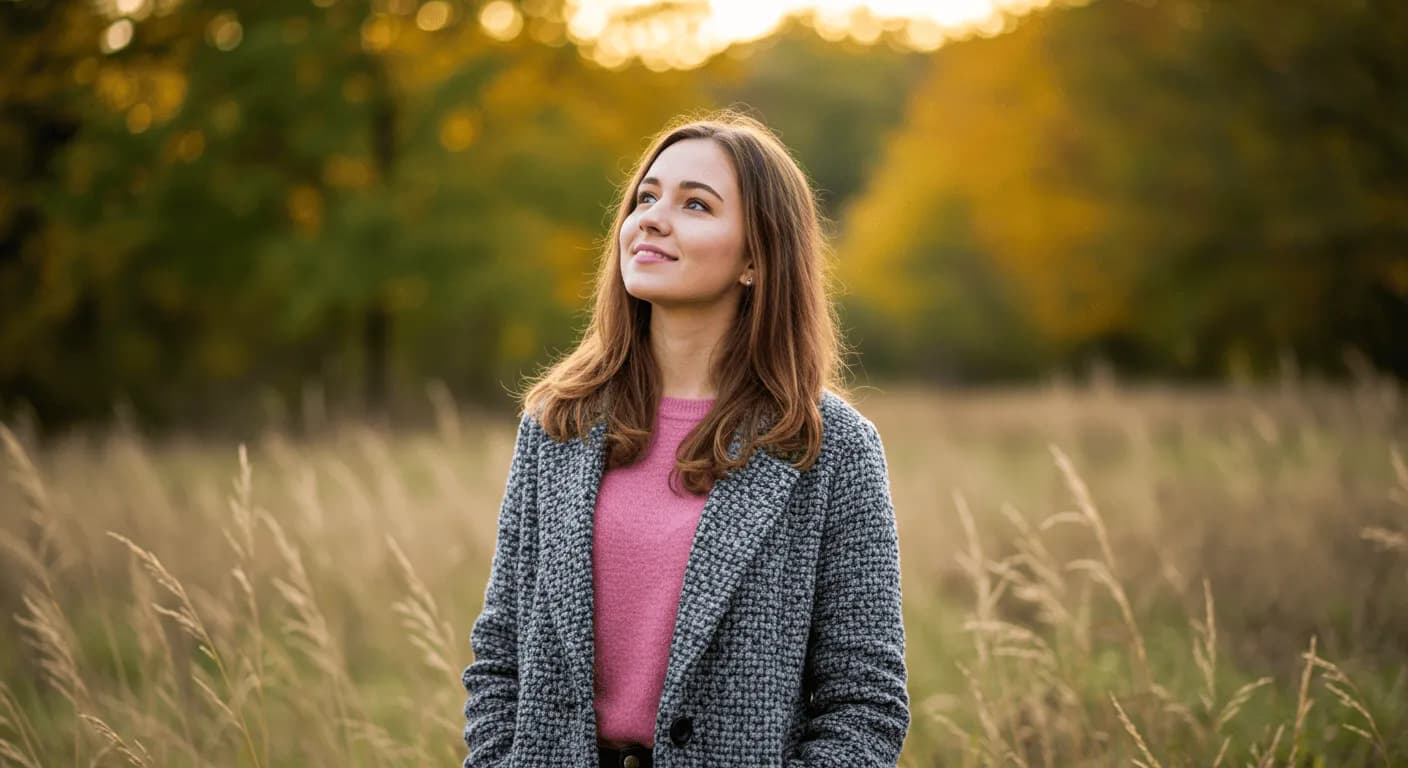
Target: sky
x,y
688,32
662,34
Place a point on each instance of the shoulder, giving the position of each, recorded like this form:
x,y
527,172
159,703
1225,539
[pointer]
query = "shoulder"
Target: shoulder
x,y
531,437
845,430
530,429
857,472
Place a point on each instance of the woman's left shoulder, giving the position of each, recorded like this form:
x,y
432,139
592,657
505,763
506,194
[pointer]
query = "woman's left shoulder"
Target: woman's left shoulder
x,y
845,430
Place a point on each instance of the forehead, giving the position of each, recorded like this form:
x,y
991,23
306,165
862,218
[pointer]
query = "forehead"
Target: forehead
x,y
695,160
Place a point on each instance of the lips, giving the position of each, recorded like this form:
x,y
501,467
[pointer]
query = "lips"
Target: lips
x,y
646,254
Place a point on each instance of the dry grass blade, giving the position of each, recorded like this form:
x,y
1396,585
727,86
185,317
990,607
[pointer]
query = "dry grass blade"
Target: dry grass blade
x,y
49,634
31,484
1205,649
421,617
1007,575
25,753
167,582
1134,733
1269,757
215,699
1105,573
993,741
1037,556
972,563
117,742
1344,689
1174,707
1085,503
186,617
241,506
185,621
1400,472
1238,700
1302,700
245,514
26,476
1063,518
949,725
1009,637
20,552
10,754
1049,587
1100,573
308,626
1385,539
246,588
934,707
1221,752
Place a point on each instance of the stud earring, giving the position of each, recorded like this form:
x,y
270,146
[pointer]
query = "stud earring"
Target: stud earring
x,y
748,281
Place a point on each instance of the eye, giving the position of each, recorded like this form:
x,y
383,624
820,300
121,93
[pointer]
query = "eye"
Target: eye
x,y
701,207
640,197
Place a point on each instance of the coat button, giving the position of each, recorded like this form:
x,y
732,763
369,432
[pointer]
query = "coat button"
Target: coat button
x,y
681,730
631,761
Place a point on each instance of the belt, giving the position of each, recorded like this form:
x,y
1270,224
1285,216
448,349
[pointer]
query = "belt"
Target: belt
x,y
629,756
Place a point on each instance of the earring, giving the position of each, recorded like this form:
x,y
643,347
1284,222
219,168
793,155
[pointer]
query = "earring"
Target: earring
x,y
748,281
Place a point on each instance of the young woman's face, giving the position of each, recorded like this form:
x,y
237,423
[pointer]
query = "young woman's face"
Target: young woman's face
x,y
683,241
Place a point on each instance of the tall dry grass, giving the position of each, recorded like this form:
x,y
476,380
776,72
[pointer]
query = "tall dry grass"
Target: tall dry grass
x,y
1092,576
1155,577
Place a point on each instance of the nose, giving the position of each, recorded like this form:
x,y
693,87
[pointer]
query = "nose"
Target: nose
x,y
652,219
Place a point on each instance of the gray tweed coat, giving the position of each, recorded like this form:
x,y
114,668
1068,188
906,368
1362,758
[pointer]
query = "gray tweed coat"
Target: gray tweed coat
x,y
788,646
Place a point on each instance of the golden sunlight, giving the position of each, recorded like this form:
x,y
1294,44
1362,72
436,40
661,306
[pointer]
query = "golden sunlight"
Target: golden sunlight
x,y
679,34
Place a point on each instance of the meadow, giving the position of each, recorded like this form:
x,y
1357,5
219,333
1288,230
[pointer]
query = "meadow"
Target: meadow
x,y
1095,574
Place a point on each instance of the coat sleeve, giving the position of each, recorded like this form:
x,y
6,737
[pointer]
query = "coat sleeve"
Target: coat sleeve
x,y
491,680
858,708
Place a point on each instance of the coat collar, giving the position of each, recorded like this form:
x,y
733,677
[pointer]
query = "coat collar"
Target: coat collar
x,y
738,514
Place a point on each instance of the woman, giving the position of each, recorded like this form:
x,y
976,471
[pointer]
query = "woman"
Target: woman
x,y
697,560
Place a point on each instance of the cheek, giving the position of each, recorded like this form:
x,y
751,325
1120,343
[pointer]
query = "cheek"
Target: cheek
x,y
622,237
724,243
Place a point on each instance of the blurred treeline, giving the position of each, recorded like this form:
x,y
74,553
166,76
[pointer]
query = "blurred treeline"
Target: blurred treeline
x,y
1181,187
259,207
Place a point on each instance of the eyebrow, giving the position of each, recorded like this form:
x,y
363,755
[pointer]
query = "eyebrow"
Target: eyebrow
x,y
686,184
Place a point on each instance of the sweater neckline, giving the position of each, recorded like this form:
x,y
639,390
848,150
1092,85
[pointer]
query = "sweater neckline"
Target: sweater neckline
x,y
685,408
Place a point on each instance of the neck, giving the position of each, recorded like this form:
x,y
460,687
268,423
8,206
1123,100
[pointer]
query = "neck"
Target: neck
x,y
685,341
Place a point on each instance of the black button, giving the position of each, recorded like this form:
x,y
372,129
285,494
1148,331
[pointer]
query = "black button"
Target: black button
x,y
681,730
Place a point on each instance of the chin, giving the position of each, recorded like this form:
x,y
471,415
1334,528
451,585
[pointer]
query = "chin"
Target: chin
x,y
658,299
649,290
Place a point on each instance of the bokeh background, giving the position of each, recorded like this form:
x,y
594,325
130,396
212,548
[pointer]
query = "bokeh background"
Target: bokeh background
x,y
1127,282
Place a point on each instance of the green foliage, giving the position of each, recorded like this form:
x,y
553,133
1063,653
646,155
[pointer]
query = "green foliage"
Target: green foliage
x,y
334,196
831,103
1185,187
247,200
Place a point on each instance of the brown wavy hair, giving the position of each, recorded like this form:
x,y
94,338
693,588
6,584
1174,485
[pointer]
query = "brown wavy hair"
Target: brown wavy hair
x,y
782,351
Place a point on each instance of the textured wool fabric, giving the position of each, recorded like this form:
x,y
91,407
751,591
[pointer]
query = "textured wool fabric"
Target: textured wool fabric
x,y
788,643
641,534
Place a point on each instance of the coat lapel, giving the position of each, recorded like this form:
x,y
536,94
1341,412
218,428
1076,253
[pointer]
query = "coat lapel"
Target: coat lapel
x,y
566,519
739,513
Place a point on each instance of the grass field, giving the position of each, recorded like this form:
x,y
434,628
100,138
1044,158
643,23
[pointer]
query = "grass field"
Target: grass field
x,y
1092,576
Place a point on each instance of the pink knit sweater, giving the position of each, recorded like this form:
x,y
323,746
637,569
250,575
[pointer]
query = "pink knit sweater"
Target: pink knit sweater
x,y
641,539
